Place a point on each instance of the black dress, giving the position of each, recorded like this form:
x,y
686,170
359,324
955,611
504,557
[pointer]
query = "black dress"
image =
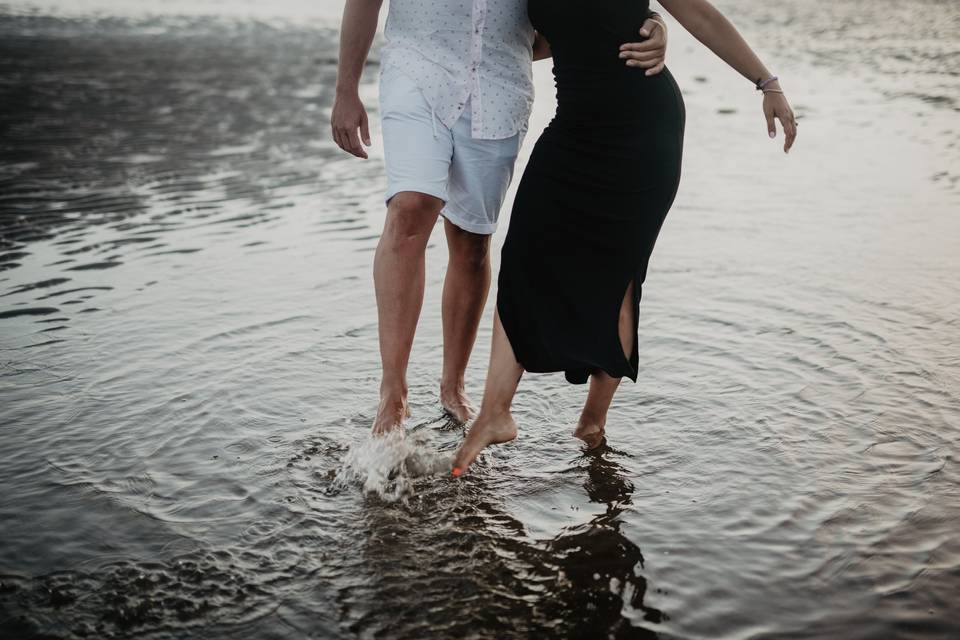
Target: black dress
x,y
593,197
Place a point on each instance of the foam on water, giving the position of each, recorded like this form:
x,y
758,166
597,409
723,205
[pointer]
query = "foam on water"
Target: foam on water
x,y
389,465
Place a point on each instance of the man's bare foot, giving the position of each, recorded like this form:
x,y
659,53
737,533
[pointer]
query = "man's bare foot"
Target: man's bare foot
x,y
591,433
484,432
456,403
390,416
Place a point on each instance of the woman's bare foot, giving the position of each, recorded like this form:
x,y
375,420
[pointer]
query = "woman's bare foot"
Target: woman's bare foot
x,y
484,432
591,432
456,403
390,415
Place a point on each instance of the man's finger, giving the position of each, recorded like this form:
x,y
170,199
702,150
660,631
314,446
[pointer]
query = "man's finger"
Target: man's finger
x,y
348,143
655,70
340,135
649,26
342,140
644,56
645,64
647,45
365,130
353,144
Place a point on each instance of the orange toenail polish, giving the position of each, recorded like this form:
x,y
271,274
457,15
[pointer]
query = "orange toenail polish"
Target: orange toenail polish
x,y
456,472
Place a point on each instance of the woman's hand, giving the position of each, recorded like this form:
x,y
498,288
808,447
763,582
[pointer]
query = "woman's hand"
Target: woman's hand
x,y
776,107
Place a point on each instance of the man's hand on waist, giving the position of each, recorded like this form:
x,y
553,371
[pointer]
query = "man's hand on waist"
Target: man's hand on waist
x,y
651,53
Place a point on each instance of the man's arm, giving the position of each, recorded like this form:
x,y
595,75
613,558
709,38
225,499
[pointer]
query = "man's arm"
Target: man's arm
x,y
356,35
650,54
541,48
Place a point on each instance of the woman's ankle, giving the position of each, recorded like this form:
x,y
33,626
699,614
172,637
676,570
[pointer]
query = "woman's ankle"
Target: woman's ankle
x,y
494,415
590,419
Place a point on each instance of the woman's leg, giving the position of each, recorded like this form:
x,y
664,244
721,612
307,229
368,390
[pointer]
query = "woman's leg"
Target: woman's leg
x,y
494,425
593,418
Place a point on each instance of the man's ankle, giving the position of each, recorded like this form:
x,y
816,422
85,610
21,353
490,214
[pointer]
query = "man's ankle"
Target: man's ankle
x,y
397,396
454,387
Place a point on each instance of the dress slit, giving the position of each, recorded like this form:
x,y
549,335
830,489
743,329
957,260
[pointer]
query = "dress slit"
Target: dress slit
x,y
631,361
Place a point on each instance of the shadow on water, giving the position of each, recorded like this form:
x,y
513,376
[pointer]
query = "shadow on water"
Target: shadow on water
x,y
601,566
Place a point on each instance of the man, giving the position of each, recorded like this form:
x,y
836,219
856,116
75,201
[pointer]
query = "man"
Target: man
x,y
456,91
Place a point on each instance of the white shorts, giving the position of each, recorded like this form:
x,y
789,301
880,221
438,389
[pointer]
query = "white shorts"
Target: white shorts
x,y
471,176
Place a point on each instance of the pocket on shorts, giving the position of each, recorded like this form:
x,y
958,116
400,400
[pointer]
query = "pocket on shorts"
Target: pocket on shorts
x,y
398,92
521,137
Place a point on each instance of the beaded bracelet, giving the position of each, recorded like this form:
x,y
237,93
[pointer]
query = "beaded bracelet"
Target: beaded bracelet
x,y
762,83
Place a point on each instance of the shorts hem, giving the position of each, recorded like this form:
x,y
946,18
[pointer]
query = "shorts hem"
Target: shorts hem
x,y
473,227
392,191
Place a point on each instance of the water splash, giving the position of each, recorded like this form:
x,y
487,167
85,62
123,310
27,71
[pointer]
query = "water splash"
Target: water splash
x,y
389,465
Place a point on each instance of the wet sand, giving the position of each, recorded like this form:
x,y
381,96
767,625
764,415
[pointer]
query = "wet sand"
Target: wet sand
x,y
189,356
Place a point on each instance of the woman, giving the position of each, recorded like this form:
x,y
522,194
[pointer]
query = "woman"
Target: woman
x,y
590,204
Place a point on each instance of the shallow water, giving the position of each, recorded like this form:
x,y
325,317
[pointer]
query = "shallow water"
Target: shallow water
x,y
189,355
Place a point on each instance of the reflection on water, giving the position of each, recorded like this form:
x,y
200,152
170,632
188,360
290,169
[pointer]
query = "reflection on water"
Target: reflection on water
x,y
599,568
188,357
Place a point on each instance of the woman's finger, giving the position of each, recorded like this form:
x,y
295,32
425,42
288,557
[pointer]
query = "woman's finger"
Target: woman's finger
x,y
790,130
771,124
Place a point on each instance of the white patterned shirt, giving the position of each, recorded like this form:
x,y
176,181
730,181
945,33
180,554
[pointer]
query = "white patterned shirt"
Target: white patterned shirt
x,y
459,49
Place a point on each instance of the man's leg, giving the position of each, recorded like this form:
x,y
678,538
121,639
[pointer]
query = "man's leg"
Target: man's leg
x,y
480,173
398,274
465,290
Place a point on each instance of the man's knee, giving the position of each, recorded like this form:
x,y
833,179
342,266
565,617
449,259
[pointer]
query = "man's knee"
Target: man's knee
x,y
410,218
470,251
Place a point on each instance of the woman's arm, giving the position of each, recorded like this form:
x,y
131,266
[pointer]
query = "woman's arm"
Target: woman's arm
x,y
710,27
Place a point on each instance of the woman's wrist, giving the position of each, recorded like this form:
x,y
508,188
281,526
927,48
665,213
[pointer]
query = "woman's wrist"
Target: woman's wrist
x,y
764,82
772,87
